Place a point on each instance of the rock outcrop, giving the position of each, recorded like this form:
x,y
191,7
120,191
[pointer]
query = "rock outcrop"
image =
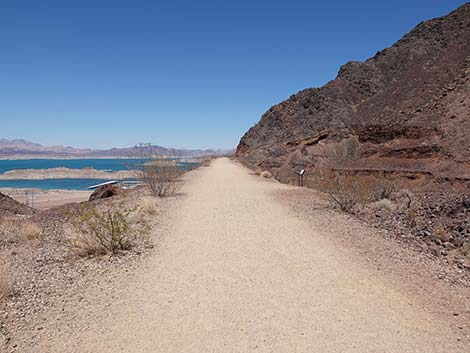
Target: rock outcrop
x,y
104,192
404,111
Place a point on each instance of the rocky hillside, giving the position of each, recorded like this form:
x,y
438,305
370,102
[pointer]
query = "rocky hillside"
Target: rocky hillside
x,y
9,207
404,111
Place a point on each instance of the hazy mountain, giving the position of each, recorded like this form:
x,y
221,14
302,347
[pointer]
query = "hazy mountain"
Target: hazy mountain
x,y
19,148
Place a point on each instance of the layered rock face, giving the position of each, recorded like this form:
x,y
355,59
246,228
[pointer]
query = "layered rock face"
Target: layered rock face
x,y
404,111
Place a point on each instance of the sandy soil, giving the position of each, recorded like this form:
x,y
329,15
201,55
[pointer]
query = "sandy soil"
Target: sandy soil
x,y
44,199
238,271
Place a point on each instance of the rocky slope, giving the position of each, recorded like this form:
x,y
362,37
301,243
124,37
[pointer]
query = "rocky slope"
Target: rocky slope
x,y
10,207
404,111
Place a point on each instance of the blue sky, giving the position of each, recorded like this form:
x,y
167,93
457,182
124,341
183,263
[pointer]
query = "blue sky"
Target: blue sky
x,y
177,73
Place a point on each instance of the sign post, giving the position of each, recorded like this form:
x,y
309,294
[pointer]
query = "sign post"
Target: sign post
x,y
300,177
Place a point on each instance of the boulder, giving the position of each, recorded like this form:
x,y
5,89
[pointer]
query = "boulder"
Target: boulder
x,y
104,192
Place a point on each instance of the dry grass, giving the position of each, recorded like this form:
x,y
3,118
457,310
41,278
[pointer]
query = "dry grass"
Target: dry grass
x,y
13,231
384,204
266,174
31,230
149,205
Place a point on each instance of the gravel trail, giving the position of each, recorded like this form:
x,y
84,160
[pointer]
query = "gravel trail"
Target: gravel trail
x,y
238,272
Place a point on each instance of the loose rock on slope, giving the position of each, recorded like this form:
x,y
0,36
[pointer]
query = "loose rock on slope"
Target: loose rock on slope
x,y
405,110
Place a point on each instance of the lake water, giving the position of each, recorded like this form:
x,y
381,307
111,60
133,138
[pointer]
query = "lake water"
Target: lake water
x,y
108,164
51,184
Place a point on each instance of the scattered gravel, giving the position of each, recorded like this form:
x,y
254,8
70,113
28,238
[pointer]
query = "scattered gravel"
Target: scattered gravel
x,y
52,289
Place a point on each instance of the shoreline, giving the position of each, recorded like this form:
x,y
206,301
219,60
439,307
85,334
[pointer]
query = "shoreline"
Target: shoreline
x,y
43,199
65,173
25,158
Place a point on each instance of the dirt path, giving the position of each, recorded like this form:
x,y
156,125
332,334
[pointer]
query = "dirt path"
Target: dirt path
x,y
238,272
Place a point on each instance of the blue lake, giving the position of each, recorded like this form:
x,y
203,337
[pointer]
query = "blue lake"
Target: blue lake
x,y
111,164
51,184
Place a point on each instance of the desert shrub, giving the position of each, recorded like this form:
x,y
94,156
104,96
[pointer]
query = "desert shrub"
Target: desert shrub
x,y
98,231
388,196
149,205
266,174
343,197
31,230
413,217
404,199
385,190
162,177
13,231
347,192
384,204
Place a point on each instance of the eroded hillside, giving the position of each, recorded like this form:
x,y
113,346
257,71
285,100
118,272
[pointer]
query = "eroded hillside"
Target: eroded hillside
x,y
405,111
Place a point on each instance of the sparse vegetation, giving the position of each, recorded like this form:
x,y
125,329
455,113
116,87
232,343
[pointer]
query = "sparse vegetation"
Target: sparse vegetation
x,y
266,174
149,205
343,194
162,177
346,192
15,230
97,232
385,190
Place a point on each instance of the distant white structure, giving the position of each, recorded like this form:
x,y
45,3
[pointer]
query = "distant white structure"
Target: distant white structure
x,y
129,184
112,182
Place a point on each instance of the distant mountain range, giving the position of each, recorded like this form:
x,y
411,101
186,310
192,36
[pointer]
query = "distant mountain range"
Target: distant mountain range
x,y
19,148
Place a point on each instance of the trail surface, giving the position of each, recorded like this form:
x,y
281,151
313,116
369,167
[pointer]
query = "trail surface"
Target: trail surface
x,y
238,272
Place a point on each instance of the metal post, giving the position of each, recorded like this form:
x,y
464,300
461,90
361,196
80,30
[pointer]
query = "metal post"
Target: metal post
x,y
300,178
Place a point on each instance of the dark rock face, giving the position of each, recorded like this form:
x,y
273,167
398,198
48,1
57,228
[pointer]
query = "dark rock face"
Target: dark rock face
x,y
406,109
105,191
9,207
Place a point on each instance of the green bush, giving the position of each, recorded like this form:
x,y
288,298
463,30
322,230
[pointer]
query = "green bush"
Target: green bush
x,y
105,231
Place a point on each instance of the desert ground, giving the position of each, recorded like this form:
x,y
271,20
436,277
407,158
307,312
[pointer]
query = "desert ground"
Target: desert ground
x,y
44,199
239,267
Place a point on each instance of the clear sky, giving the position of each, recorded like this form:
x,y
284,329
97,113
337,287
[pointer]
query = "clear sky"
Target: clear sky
x,y
177,73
